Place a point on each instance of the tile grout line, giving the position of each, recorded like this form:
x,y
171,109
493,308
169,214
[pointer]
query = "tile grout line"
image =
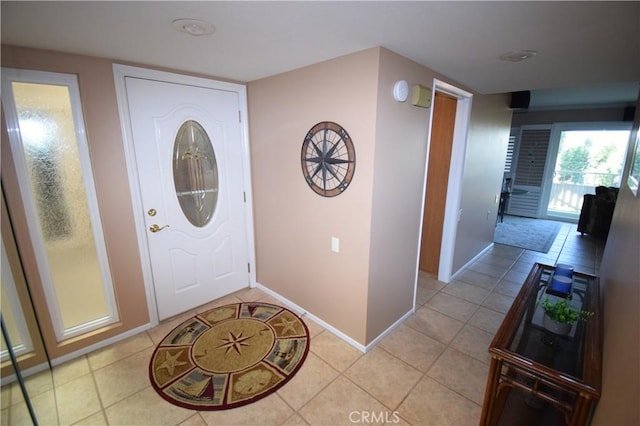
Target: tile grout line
x,y
568,248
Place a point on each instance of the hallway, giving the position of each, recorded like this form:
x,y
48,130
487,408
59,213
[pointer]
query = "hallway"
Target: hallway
x,y
431,370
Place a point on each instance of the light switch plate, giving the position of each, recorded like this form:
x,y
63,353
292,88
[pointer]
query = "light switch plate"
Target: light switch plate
x,y
335,244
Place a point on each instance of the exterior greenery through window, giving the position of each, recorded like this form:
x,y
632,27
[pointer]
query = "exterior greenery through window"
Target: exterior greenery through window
x,y
585,159
581,156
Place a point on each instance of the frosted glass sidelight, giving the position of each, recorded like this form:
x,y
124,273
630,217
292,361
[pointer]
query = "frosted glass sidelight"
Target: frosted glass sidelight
x,y
195,173
57,187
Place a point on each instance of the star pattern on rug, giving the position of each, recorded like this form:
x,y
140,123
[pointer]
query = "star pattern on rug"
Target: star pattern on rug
x,y
231,356
287,325
171,362
233,342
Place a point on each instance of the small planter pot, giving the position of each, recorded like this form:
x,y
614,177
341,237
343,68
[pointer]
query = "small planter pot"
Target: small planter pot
x,y
556,327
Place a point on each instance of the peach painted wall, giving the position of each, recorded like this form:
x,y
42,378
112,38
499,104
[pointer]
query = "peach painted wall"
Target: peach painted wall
x,y
102,124
294,225
482,177
370,284
620,282
398,182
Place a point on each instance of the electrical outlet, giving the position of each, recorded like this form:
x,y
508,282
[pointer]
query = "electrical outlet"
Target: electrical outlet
x,y
335,244
497,200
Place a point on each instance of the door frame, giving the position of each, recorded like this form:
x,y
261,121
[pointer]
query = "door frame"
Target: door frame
x,y
452,212
552,159
120,72
33,227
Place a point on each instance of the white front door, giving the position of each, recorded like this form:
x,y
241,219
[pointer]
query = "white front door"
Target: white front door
x,y
192,196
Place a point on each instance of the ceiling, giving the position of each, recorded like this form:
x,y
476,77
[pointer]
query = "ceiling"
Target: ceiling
x,y
590,50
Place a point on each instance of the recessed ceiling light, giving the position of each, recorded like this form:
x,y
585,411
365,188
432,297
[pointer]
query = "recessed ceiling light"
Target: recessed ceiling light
x,y
518,56
194,27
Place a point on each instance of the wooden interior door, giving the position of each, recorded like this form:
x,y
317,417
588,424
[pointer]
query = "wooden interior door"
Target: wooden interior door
x,y
444,116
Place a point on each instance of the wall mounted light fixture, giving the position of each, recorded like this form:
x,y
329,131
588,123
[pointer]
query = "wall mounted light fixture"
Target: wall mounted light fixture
x,y
401,90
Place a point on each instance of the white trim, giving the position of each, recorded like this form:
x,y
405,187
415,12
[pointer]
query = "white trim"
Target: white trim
x,y
470,262
389,330
73,355
100,345
5,380
456,172
548,172
132,176
246,172
304,313
94,215
15,309
552,158
70,81
120,72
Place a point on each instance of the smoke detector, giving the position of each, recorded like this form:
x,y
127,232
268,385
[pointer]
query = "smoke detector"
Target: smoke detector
x,y
518,56
194,27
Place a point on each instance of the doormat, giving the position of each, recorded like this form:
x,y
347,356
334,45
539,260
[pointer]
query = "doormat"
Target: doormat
x,y
527,233
229,356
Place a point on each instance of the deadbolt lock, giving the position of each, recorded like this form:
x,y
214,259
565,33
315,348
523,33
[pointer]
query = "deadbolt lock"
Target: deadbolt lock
x,y
152,212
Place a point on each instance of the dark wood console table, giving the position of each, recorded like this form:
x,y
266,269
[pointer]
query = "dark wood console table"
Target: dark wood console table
x,y
538,377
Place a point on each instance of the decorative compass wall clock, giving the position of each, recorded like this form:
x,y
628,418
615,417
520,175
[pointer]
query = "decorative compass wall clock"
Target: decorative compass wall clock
x,y
328,159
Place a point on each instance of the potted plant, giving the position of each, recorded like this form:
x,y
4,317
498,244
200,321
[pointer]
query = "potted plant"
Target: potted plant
x,y
559,315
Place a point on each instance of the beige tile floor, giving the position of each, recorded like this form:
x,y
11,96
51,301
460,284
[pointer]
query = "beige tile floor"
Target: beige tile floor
x,y
431,370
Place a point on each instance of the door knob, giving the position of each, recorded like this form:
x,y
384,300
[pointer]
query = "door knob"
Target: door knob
x,y
157,228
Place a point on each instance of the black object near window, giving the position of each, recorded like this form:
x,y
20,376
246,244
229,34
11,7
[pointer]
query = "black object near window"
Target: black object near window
x,y
597,212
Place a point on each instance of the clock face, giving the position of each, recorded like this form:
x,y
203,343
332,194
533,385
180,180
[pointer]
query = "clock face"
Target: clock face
x,y
328,159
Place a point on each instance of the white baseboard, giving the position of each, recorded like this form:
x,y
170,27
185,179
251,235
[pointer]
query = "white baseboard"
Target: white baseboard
x,y
469,263
302,312
68,357
24,373
100,345
298,309
389,330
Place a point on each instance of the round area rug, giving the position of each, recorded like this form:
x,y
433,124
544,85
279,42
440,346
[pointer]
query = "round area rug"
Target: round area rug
x,y
229,356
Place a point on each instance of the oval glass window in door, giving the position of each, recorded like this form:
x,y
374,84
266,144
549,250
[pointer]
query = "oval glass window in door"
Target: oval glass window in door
x,y
195,173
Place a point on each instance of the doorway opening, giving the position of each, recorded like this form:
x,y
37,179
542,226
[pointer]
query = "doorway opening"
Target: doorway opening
x,y
443,189
443,119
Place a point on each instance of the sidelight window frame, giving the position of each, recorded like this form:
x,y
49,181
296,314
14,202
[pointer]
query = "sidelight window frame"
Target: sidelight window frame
x,y
70,81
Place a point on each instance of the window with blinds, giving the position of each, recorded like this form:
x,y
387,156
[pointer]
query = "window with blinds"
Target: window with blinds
x,y
529,171
510,148
532,156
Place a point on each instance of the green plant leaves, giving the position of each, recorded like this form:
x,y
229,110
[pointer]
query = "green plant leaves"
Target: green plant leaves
x,y
562,311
